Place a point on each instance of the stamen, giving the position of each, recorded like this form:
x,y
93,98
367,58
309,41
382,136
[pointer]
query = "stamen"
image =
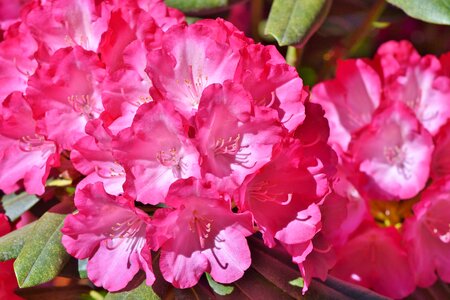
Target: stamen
x,y
202,226
30,143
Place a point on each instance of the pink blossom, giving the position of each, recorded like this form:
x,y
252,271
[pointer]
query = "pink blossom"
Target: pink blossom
x,y
427,234
272,83
92,156
393,154
59,24
24,154
111,233
191,58
234,137
65,93
155,152
440,165
16,60
8,282
349,100
416,81
200,233
374,258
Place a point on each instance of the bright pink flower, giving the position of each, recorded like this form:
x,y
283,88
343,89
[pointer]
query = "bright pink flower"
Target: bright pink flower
x,y
200,234
92,156
17,61
416,81
272,83
111,233
393,154
65,94
8,282
63,23
349,100
445,63
10,12
440,165
427,234
191,58
155,152
234,137
24,154
374,258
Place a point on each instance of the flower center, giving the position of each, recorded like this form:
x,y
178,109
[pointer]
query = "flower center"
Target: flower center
x,y
111,172
392,213
83,104
127,230
397,157
265,191
201,226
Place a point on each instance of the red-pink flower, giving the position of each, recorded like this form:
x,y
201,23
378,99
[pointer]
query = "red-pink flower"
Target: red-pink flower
x,y
200,233
440,165
234,137
111,233
155,152
393,154
92,156
349,100
8,282
416,81
17,62
24,154
65,93
427,234
375,258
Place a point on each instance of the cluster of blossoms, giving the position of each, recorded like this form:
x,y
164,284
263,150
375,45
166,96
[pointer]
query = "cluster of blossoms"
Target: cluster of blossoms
x,y
389,120
190,138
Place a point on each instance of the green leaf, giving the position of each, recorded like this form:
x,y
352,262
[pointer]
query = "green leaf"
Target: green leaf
x,y
43,256
16,205
218,288
82,268
141,292
293,22
433,11
297,282
12,243
196,5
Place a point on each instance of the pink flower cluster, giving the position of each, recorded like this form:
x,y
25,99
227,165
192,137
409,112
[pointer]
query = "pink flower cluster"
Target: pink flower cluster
x,y
190,138
389,120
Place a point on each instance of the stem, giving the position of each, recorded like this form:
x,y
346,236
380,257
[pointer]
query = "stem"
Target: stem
x,y
257,9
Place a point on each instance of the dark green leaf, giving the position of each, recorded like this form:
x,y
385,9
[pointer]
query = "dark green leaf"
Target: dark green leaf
x,y
12,243
433,11
196,5
292,22
43,256
82,268
218,288
141,292
16,205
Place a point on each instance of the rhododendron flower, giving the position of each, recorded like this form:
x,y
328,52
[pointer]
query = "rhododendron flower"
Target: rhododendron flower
x,y
394,154
17,60
440,165
349,100
375,258
92,156
24,154
8,282
427,234
155,152
416,81
65,93
200,233
234,137
59,24
111,233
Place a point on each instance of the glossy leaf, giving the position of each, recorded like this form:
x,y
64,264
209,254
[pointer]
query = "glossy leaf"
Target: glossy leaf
x,y
141,292
43,256
218,288
16,204
12,243
433,11
293,22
